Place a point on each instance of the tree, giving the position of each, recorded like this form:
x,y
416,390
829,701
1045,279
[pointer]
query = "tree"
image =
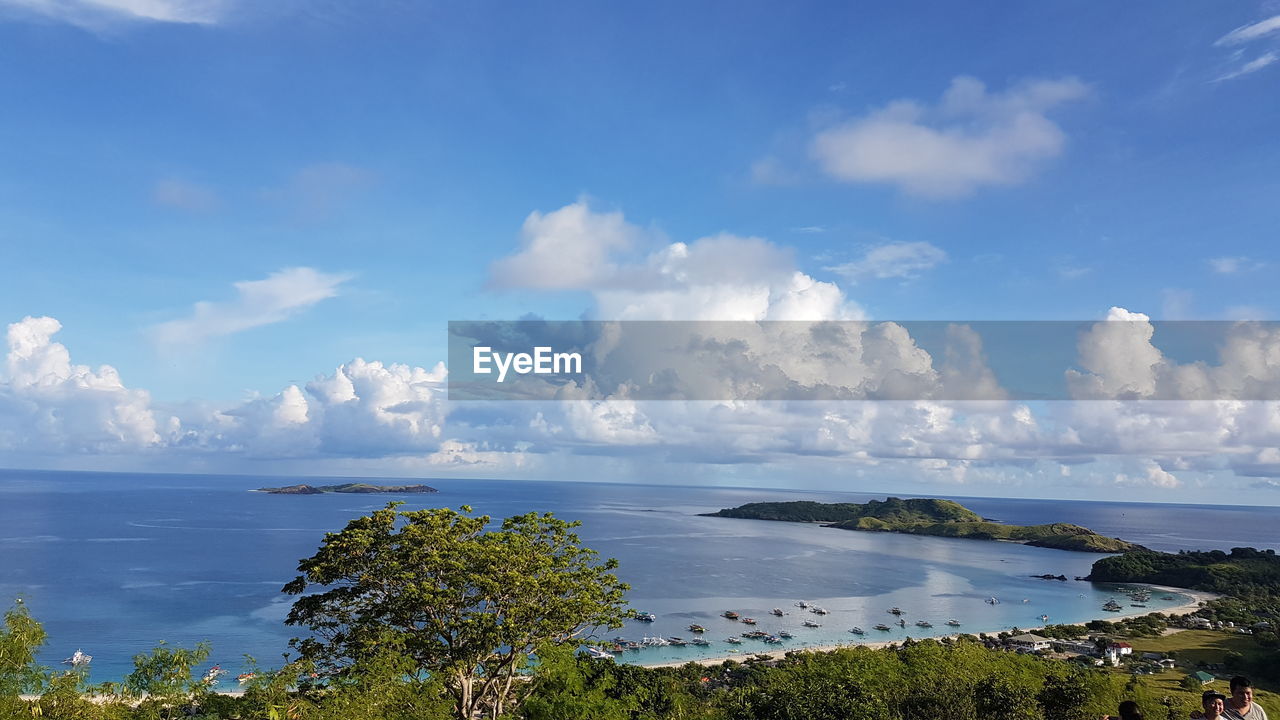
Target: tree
x,y
20,638
462,605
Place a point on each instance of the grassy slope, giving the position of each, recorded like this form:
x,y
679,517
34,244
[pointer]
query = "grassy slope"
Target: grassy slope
x,y
1195,646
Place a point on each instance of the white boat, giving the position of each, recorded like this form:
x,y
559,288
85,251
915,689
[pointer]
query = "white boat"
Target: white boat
x,y
733,640
700,641
646,617
655,641
953,622
810,623
857,630
802,604
78,659
597,653
993,601
245,678
818,610
212,674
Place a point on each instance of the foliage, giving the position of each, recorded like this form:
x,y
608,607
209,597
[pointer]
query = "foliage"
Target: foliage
x,y
943,518
460,604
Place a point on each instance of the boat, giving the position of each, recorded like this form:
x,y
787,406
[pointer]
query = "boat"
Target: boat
x,y
655,641
1026,600
1044,618
731,615
697,629
598,654
646,617
617,649
902,623
1166,597
700,641
801,604
1112,606
733,640
993,601
810,623
785,635
212,674
778,612
953,622
895,611
748,621
1136,605
678,642
245,678
818,610
857,630
773,640
882,626
78,659
923,623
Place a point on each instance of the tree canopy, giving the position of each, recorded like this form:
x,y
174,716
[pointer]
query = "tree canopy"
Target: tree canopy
x,y
464,605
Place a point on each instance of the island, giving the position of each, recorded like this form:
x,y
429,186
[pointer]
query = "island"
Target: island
x,y
355,488
927,516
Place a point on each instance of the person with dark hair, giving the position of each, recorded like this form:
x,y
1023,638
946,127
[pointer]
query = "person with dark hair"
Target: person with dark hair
x,y
1214,703
1241,705
1129,711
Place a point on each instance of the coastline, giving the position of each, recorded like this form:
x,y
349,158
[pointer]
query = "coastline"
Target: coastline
x,y
1196,598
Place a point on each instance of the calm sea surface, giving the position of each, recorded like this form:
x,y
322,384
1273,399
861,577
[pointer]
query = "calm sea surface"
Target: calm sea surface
x,y
116,563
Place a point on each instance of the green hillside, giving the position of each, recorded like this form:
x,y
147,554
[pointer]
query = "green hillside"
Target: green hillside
x,y
926,516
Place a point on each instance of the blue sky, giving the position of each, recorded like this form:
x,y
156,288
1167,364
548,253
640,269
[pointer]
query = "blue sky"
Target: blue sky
x,y
367,167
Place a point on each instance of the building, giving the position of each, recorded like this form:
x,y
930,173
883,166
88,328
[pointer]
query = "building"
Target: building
x,y
1204,677
1029,642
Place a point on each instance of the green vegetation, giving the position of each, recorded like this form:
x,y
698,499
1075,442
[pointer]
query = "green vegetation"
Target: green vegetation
x,y
941,518
1243,572
356,488
435,592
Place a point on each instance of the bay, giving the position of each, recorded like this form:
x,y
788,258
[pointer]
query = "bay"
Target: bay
x,y
115,563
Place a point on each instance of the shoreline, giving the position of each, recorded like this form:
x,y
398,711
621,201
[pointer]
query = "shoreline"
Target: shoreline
x,y
1196,598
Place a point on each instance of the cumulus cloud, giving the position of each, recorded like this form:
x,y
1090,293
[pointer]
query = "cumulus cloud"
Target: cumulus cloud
x,y
96,14
893,260
49,404
970,139
569,248
278,297
1152,476
718,277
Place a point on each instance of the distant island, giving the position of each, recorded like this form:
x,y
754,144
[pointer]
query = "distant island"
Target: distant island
x,y
355,488
922,516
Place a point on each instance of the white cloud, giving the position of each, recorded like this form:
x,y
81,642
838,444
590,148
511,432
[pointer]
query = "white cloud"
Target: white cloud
x,y
719,277
1152,476
184,195
1253,31
893,260
258,302
49,404
1253,65
971,139
95,14
570,248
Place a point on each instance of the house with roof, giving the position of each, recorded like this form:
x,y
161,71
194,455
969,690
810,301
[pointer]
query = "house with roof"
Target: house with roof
x,y
1204,677
1028,642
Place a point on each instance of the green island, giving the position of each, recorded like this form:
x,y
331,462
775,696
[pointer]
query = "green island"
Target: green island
x,y
928,516
355,488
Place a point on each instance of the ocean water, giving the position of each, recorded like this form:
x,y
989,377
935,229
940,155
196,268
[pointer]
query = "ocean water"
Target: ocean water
x,y
114,564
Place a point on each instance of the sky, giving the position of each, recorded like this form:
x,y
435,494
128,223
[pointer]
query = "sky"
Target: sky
x,y
233,233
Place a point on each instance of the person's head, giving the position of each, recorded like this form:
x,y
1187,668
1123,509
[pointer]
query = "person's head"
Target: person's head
x,y
1213,703
1129,711
1241,691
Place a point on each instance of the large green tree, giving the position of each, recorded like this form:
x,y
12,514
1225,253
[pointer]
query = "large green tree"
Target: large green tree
x,y
465,605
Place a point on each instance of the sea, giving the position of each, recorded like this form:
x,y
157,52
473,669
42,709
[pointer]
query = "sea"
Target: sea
x,y
116,564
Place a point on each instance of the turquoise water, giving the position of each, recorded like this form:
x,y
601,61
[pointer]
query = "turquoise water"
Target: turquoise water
x,y
114,564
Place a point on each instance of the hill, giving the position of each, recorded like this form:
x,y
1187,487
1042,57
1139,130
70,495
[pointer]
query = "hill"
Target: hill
x,y
928,516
